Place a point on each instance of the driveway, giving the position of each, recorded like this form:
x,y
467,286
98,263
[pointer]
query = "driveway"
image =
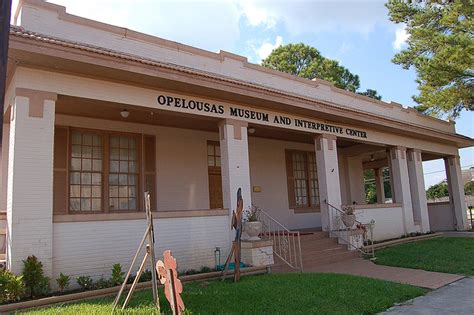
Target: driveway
x,y
455,298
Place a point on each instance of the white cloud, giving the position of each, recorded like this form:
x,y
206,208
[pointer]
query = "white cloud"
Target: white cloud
x,y
303,16
266,47
401,37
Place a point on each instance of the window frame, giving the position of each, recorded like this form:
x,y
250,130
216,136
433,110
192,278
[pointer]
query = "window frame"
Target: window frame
x,y
214,170
106,134
309,207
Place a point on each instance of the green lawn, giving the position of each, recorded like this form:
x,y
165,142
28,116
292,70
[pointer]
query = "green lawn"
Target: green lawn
x,y
446,254
268,294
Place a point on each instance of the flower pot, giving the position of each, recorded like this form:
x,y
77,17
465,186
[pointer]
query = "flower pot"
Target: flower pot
x,y
253,230
348,220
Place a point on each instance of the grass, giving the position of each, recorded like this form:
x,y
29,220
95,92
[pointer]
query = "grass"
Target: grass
x,y
267,294
446,254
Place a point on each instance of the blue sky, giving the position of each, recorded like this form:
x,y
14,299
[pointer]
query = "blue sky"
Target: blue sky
x,y
356,33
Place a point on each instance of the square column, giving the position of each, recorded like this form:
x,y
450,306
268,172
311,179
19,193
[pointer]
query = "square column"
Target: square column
x,y
379,186
355,171
234,163
30,179
328,176
456,192
401,186
417,188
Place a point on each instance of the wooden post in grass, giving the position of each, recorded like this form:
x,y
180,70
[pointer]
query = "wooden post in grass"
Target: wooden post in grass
x,y
236,244
149,256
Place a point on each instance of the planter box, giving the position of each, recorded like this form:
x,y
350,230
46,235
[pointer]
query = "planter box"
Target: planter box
x,y
257,253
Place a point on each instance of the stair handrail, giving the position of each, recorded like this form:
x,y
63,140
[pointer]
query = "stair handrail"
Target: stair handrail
x,y
286,243
336,232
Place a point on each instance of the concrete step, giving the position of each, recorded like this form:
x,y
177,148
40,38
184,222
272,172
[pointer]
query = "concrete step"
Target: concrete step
x,y
314,235
318,242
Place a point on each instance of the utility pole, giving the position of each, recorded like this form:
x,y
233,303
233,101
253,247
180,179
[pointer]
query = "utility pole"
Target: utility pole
x,y
5,13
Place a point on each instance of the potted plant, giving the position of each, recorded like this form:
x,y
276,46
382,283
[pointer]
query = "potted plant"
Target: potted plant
x,y
348,218
252,227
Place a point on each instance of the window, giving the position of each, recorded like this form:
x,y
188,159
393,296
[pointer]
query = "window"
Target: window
x,y
86,172
214,175
123,173
104,171
302,176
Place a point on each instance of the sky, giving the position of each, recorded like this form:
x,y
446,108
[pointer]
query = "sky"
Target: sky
x,y
358,34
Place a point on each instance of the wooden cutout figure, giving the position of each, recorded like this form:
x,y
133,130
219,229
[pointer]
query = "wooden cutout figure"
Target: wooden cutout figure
x,y
236,244
169,278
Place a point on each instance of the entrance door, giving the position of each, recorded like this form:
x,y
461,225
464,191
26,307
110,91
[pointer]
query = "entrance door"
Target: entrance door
x,y
215,177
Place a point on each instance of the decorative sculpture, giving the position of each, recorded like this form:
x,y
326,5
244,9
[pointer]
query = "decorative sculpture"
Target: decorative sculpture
x,y
236,244
169,278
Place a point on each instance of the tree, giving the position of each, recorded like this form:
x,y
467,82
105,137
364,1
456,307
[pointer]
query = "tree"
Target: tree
x,y
441,49
371,93
437,191
307,62
469,188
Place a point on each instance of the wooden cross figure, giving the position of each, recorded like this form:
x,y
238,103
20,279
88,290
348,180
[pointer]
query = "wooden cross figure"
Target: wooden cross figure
x,y
169,278
236,244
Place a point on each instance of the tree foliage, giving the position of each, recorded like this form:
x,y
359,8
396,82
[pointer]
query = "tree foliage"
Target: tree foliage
x,y
441,190
441,49
307,62
437,191
371,93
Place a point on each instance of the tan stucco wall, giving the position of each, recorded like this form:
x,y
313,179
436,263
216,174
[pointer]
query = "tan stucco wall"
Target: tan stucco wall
x,y
268,170
181,156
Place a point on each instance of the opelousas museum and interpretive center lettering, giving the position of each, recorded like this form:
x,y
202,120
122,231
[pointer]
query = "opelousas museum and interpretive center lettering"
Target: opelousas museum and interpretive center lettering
x,y
200,106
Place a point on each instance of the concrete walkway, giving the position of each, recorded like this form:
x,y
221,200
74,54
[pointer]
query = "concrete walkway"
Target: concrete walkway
x,y
366,268
458,234
455,298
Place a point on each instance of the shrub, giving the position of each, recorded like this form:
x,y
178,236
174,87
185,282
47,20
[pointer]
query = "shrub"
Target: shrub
x,y
63,282
35,281
102,283
146,276
117,275
85,282
205,269
12,287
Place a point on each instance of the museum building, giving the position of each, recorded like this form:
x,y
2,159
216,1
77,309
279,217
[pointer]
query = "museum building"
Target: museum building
x,y
95,115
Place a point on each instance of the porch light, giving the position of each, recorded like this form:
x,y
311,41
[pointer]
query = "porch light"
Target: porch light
x,y
251,130
125,113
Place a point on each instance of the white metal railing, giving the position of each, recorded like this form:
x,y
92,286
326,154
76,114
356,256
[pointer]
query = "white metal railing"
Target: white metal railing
x,y
360,233
286,243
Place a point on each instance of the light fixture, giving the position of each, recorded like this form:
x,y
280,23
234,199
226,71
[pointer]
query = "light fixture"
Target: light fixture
x,y
372,158
251,130
125,113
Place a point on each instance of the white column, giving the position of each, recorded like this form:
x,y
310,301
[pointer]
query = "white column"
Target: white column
x,y
30,179
456,191
401,186
356,180
379,185
417,188
328,176
234,163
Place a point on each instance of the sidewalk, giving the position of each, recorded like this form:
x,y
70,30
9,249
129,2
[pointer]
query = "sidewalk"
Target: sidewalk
x,y
455,298
366,268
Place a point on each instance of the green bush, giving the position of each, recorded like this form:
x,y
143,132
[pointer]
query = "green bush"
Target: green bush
x,y
35,281
63,282
117,275
85,282
102,283
12,287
